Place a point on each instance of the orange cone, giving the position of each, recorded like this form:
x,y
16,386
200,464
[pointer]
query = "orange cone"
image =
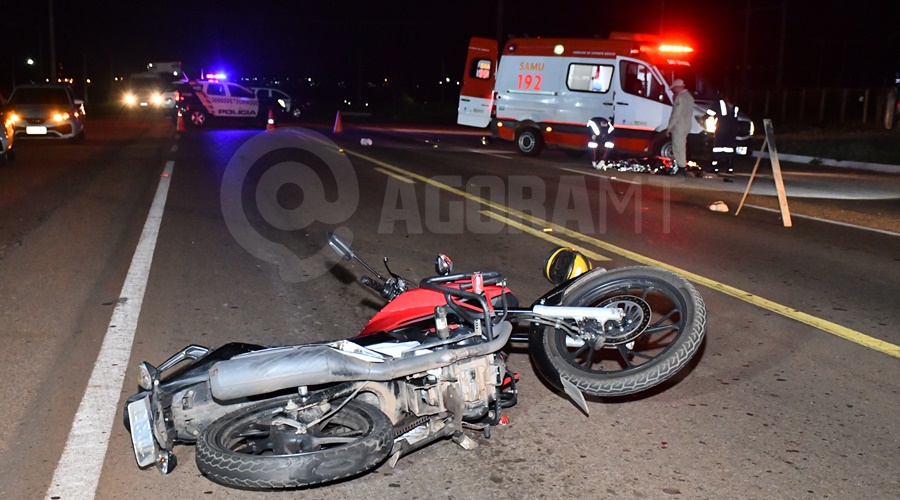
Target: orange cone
x,y
179,127
270,124
338,126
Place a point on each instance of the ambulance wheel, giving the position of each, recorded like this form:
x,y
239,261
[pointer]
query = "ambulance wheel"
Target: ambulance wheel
x,y
197,117
529,141
662,146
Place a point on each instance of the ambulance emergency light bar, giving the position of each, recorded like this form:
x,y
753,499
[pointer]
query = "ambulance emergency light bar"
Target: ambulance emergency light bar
x,y
675,48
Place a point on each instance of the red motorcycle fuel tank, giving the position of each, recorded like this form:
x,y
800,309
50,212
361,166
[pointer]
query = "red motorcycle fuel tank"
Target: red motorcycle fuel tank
x,y
415,305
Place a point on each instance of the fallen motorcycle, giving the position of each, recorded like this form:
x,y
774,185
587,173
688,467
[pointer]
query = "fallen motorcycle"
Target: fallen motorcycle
x,y
427,366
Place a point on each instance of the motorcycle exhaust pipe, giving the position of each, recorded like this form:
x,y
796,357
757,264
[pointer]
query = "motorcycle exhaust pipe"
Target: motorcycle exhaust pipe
x,y
271,370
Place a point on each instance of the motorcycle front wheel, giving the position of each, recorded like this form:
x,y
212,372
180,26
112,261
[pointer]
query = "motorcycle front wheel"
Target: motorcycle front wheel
x,y
665,321
261,447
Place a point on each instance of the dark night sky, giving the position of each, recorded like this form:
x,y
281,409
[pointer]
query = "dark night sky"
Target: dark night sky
x,y
830,42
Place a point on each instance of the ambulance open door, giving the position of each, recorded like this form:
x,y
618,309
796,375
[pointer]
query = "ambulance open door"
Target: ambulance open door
x,y
476,95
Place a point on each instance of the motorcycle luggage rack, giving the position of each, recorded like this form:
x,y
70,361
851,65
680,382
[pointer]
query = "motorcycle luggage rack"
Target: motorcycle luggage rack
x,y
436,283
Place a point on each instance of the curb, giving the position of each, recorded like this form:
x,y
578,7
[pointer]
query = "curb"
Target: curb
x,y
858,165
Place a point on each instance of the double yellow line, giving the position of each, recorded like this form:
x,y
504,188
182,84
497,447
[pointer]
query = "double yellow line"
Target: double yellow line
x,y
550,228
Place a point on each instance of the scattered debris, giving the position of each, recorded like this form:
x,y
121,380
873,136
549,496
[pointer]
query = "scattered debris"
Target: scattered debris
x,y
365,142
719,206
650,165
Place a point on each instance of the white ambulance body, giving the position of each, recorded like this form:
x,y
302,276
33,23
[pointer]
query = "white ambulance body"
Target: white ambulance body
x,y
545,90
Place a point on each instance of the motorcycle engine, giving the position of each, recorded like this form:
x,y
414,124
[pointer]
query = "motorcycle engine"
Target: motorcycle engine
x,y
476,380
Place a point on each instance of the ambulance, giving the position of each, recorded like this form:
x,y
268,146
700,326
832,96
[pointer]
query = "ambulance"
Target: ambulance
x,y
544,91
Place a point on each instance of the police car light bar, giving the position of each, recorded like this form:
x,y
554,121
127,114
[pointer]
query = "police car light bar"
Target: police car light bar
x,y
215,76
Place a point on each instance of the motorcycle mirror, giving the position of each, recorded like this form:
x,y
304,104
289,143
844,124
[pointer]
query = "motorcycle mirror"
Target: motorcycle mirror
x,y
340,247
443,265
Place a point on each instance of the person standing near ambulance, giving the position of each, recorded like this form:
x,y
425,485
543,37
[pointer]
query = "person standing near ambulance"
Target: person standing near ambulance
x,y
680,123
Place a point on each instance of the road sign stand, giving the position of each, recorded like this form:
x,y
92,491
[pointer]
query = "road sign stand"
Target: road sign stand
x,y
776,173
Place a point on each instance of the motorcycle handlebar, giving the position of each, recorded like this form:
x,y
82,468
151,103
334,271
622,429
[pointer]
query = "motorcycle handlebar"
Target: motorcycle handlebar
x,y
374,285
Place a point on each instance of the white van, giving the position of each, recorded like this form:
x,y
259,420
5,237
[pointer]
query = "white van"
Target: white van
x,y
545,90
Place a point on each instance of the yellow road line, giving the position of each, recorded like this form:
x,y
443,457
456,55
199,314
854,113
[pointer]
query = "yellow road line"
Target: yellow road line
x,y
395,175
789,312
544,236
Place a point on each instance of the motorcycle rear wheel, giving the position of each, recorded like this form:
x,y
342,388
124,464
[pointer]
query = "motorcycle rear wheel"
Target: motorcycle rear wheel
x,y
248,449
669,322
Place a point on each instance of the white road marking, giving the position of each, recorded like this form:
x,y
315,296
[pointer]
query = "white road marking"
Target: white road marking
x,y
78,472
846,224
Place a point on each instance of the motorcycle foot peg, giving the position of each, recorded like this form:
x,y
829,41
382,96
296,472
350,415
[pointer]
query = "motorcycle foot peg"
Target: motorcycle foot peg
x,y
464,441
165,462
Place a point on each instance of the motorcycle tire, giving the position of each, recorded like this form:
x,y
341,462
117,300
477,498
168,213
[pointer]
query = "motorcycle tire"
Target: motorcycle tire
x,y
246,450
668,323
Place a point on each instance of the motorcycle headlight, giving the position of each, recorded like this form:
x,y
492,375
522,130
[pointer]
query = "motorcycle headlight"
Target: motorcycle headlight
x,y
146,373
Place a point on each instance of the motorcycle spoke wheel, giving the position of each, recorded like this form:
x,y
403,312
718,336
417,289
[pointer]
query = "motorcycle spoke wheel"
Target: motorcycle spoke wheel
x,y
665,321
260,447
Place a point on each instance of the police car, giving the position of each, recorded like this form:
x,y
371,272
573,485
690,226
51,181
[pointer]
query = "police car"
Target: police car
x,y
200,100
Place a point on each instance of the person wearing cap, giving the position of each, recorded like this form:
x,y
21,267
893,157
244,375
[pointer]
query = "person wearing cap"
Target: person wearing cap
x,y
680,123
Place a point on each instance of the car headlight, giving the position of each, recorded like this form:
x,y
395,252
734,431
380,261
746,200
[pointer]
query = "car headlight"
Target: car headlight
x,y
60,117
156,99
282,104
709,124
129,99
13,118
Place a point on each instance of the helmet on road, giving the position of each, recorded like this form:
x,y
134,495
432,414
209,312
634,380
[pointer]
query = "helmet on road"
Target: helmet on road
x,y
564,264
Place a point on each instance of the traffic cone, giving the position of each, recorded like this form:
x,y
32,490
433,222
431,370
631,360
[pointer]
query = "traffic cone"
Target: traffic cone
x,y
338,126
179,127
270,124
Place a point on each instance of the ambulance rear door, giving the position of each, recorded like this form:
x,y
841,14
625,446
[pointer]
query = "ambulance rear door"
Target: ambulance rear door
x,y
476,95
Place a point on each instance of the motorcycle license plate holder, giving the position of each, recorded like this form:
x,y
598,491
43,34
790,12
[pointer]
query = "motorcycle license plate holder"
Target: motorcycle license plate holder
x,y
145,448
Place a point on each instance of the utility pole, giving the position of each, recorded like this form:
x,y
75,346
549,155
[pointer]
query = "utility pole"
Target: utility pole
x,y
662,17
52,46
779,78
745,56
500,40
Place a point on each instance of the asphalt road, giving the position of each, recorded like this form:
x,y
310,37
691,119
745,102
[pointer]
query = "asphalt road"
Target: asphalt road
x,y
795,394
